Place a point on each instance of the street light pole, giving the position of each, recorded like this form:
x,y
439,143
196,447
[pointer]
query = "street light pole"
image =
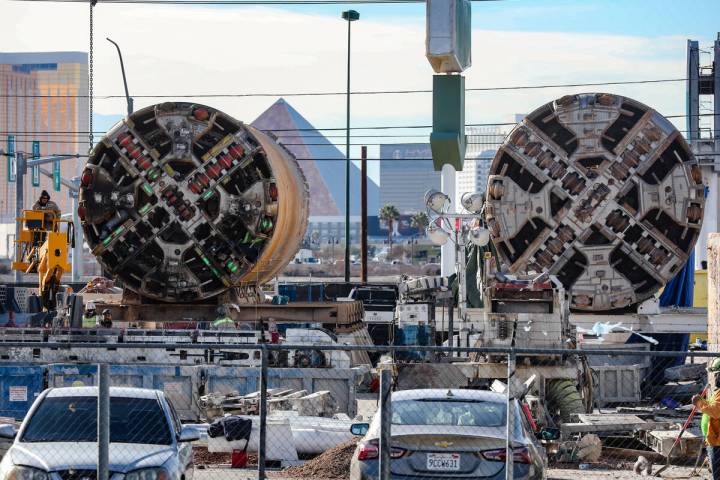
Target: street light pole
x,y
128,98
350,16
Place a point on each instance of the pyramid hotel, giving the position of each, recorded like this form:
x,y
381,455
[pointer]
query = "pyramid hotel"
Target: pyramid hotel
x,y
325,174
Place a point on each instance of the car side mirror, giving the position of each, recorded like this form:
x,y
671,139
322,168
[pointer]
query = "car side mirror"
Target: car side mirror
x,y
8,431
189,434
359,429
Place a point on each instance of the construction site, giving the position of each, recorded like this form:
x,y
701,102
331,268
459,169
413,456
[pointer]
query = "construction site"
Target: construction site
x,y
568,329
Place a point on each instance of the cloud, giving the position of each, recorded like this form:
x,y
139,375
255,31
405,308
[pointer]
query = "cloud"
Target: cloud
x,y
186,50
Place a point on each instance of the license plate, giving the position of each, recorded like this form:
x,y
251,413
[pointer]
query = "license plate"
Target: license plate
x,y
446,462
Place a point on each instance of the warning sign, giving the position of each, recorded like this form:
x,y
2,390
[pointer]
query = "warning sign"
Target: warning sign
x,y
18,394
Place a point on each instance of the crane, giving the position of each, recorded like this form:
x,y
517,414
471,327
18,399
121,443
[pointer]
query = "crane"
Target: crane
x,y
42,248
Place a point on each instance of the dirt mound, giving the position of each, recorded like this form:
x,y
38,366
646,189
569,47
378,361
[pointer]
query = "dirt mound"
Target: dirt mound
x,y
202,457
334,463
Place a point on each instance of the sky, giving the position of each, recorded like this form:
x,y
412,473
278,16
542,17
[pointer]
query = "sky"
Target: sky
x,y
190,50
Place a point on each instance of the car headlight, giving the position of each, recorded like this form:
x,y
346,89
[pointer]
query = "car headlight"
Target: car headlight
x,y
144,474
18,472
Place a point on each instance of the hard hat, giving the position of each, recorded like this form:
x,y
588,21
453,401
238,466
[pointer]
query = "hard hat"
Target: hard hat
x,y
90,305
106,311
715,365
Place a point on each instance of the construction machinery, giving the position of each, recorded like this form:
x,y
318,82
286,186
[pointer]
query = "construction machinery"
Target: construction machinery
x,y
189,210
602,192
42,248
593,203
183,203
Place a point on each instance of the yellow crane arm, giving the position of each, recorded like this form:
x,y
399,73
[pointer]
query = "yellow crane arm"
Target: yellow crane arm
x,y
42,248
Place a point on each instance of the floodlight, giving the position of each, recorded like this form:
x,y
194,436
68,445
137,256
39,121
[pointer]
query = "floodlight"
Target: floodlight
x,y
473,202
479,236
435,200
437,235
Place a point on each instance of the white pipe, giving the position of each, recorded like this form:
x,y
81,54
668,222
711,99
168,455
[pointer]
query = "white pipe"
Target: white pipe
x,y
447,251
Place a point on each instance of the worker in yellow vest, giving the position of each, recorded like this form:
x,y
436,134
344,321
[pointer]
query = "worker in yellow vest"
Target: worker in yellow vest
x,y
223,320
91,318
710,423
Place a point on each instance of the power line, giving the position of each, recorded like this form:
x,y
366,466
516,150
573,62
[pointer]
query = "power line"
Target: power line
x,y
339,159
377,127
299,159
327,145
244,2
359,92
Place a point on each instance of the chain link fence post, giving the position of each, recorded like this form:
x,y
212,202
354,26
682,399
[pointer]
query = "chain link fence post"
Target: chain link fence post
x,y
385,423
103,422
509,468
262,438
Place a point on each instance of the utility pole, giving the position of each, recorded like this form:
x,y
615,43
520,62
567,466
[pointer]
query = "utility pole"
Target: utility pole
x,y
19,203
350,16
363,217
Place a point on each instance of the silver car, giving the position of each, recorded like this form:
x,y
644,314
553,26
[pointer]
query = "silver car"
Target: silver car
x,y
449,434
58,438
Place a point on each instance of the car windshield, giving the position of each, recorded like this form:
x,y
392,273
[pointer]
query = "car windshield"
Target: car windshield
x,y
74,419
471,413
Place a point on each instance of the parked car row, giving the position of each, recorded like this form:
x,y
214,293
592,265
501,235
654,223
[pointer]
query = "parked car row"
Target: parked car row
x,y
435,434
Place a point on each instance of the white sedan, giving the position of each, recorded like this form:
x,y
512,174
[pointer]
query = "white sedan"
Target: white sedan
x,y
58,438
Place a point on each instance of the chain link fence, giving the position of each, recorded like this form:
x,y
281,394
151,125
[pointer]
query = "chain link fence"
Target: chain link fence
x,y
220,409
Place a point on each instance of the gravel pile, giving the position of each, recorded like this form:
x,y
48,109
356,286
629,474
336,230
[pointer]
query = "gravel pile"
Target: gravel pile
x,y
333,463
202,457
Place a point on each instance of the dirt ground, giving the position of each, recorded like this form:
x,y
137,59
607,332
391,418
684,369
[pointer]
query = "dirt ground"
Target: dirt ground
x,y
553,474
334,464
670,473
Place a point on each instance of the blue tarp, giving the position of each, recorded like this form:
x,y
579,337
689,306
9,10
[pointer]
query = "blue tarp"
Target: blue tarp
x,y
679,291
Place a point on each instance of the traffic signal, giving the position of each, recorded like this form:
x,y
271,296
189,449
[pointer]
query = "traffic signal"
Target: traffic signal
x,y
36,168
12,166
56,175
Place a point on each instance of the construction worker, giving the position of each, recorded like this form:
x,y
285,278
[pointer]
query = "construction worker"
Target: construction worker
x,y
90,318
106,319
223,321
710,423
44,203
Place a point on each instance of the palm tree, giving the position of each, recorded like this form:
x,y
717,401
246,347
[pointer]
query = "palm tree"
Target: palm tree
x,y
420,221
389,213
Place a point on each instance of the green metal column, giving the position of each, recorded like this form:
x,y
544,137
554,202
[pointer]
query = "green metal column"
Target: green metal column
x,y
447,139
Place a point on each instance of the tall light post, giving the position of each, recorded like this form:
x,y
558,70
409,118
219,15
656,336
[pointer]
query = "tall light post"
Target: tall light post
x,y
350,16
128,98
